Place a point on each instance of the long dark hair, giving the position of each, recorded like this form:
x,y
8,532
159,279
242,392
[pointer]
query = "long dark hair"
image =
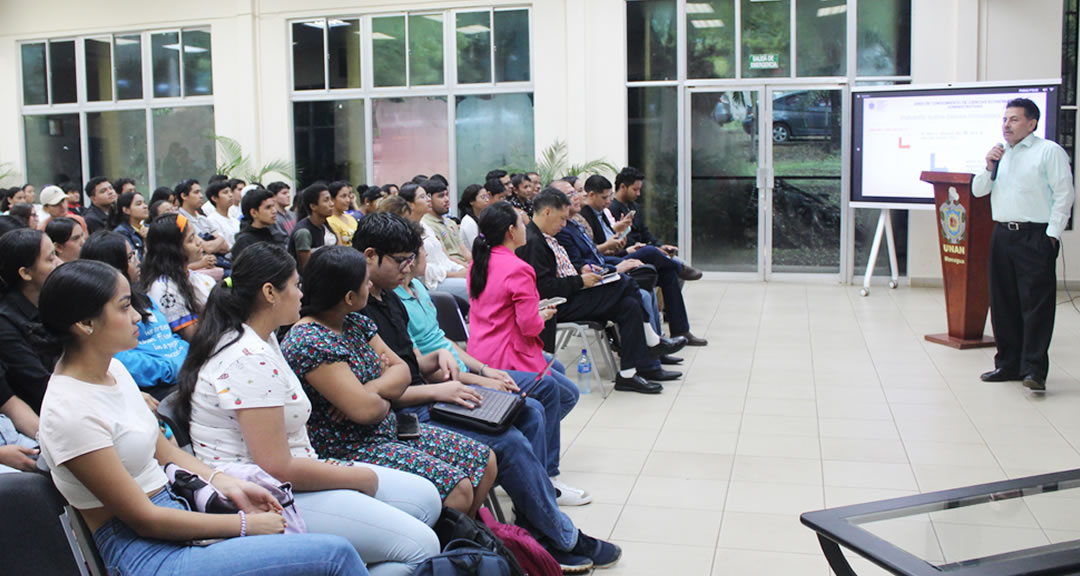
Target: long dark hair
x,y
468,196
74,292
331,272
18,249
116,211
229,307
111,248
494,222
165,256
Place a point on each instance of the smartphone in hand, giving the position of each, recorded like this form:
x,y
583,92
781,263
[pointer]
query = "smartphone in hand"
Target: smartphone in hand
x,y
556,301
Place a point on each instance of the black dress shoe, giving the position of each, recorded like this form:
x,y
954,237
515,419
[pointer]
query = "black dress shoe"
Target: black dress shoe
x,y
999,375
667,346
670,360
1035,383
692,340
689,273
636,383
660,375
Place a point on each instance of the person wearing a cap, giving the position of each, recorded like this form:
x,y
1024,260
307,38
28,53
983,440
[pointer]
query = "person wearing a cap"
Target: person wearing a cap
x,y
54,203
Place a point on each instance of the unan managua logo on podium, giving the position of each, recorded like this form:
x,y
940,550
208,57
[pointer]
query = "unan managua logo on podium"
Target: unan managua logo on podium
x,y
953,219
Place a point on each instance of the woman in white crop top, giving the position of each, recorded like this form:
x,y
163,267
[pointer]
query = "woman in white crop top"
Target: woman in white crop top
x,y
246,405
106,451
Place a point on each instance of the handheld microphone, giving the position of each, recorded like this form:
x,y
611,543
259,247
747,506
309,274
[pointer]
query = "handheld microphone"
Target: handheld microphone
x,y
993,173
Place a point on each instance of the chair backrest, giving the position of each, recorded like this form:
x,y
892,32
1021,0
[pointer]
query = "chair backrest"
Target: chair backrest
x,y
32,540
449,315
82,544
167,411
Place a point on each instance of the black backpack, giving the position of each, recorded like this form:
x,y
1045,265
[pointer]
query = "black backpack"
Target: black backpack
x,y
453,527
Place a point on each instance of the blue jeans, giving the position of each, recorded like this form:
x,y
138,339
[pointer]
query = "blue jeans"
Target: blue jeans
x,y
556,400
523,473
125,552
390,530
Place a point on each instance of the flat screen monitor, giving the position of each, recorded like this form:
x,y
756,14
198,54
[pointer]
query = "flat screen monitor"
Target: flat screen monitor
x,y
898,132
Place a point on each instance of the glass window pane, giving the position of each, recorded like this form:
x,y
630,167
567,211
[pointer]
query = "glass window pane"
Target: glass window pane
x,y
307,51
198,75
388,50
53,155
653,148
493,131
34,74
425,49
821,38
511,45
184,145
884,38
128,55
710,39
766,38
116,145
473,47
344,37
329,139
62,69
651,38
410,137
98,69
165,51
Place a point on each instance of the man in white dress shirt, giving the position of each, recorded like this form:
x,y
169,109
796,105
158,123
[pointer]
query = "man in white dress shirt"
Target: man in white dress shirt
x,y
1031,195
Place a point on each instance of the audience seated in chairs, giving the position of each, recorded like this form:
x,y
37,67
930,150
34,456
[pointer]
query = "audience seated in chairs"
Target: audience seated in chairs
x,y
342,364
474,199
67,237
179,292
341,222
438,222
129,217
102,195
220,197
245,405
54,204
105,452
155,363
390,243
611,238
284,217
589,299
443,273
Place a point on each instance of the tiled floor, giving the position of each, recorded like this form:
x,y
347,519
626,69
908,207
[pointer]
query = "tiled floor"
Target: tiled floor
x,y
811,396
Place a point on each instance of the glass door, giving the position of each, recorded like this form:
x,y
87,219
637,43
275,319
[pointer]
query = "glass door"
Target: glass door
x,y
804,168
765,179
726,189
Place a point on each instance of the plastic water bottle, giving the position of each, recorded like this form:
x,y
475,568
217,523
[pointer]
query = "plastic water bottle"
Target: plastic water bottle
x,y
584,372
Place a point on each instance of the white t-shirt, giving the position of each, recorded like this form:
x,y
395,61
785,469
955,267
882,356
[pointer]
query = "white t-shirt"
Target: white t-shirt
x,y
225,226
438,263
79,417
249,373
469,231
176,309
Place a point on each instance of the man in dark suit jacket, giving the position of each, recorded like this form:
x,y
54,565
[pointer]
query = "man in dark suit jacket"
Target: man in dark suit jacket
x,y
607,235
587,299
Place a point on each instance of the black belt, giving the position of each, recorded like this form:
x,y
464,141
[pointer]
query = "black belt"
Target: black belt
x,y
1014,226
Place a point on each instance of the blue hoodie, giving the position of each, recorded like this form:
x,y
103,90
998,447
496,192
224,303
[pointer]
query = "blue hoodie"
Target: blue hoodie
x,y
157,359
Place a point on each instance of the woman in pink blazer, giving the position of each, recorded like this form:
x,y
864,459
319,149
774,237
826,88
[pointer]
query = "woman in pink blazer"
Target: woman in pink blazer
x,y
505,320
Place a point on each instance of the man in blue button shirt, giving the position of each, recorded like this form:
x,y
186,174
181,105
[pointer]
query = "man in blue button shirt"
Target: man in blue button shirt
x,y
1031,195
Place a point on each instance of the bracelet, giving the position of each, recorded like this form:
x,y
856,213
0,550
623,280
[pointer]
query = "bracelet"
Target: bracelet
x,y
482,368
243,524
210,480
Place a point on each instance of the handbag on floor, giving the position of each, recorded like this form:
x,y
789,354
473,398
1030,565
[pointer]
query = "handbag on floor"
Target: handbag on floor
x,y
457,530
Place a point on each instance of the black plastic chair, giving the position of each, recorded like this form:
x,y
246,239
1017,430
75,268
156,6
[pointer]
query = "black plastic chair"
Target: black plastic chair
x,y
167,411
32,535
450,318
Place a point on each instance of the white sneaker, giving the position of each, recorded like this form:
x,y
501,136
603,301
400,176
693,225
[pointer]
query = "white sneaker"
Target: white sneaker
x,y
568,495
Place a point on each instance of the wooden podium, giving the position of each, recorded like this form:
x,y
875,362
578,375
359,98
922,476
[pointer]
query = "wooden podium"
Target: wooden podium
x,y
964,229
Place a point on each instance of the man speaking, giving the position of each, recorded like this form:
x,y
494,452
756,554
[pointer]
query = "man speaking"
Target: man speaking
x,y
1031,193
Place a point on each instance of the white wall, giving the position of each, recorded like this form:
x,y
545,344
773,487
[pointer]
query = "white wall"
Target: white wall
x,y
983,40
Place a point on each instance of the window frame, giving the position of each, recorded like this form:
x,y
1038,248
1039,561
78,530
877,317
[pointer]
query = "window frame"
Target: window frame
x,y
82,106
369,93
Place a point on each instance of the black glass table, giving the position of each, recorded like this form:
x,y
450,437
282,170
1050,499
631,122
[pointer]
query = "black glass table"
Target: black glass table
x,y
1015,527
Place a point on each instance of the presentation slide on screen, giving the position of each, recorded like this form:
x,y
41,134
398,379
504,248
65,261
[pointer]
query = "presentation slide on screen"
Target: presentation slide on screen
x,y
903,135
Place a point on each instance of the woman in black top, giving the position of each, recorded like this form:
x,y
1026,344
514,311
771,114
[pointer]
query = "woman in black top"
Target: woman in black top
x,y
27,257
